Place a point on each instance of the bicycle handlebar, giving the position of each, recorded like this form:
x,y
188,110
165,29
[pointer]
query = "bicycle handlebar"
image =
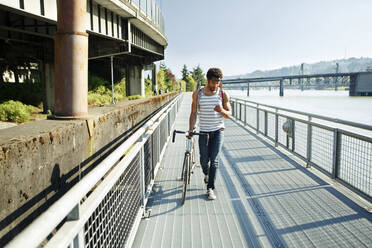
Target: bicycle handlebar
x,y
190,133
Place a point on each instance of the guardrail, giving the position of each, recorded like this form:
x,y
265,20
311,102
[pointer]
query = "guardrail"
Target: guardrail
x,y
104,209
343,155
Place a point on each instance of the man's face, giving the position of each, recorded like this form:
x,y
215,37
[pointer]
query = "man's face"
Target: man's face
x,y
213,83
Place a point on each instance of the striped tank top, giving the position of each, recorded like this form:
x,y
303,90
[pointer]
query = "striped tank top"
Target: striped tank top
x,y
209,120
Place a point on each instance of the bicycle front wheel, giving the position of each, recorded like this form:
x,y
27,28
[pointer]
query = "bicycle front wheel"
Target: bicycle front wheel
x,y
186,174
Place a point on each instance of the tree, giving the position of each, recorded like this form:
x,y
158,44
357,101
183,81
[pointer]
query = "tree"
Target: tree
x,y
185,73
161,81
182,84
148,86
170,80
166,79
199,76
190,84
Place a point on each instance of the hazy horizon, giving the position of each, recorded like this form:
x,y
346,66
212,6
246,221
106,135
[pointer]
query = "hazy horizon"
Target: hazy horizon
x,y
244,36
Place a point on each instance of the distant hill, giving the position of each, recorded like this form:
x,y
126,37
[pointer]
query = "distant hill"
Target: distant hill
x,y
345,65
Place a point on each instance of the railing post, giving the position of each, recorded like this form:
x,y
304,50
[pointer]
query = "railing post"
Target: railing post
x,y
309,142
336,152
293,134
287,141
258,120
232,108
235,109
240,111
266,123
142,173
276,127
248,89
74,215
245,113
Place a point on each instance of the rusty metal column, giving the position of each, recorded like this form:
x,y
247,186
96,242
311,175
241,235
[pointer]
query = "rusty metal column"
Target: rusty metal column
x,y
71,60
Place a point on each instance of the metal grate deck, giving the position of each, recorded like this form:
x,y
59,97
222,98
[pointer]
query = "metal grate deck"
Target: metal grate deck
x,y
264,199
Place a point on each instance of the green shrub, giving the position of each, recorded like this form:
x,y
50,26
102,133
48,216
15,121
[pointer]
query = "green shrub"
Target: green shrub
x,y
100,92
120,89
16,111
98,99
134,97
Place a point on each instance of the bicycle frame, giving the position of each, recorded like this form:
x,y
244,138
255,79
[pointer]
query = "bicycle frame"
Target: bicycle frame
x,y
189,159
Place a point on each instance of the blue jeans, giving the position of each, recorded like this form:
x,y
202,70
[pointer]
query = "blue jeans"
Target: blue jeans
x,y
209,154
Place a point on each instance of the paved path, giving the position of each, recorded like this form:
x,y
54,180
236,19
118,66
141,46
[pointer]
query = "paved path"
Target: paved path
x,y
264,199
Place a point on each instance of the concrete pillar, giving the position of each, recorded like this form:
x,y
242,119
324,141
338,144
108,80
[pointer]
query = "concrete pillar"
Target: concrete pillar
x,y
281,90
155,79
71,60
49,85
136,80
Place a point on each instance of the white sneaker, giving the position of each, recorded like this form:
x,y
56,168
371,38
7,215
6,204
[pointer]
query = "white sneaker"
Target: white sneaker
x,y
206,177
211,195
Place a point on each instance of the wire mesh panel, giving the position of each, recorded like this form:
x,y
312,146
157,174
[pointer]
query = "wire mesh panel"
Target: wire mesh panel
x,y
173,115
155,146
301,138
261,115
148,166
282,136
238,113
163,132
168,123
251,116
271,125
355,164
111,222
322,148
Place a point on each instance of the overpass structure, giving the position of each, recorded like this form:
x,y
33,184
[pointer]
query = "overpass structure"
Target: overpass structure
x,y
360,83
117,37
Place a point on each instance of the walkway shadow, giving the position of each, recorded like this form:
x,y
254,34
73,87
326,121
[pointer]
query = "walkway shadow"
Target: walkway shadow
x,y
274,233
159,197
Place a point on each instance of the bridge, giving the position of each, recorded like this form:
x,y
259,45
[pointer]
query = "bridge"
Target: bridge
x,y
306,186
358,83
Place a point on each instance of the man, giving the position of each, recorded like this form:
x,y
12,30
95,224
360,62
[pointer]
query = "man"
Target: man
x,y
212,105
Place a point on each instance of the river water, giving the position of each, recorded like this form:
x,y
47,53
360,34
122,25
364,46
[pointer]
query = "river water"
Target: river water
x,y
333,104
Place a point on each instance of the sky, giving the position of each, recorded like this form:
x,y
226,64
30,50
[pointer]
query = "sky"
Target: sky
x,y
242,36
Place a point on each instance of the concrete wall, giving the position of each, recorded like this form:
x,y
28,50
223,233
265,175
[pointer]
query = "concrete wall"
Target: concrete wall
x,y
136,80
39,161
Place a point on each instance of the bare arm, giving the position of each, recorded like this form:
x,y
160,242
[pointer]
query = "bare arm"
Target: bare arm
x,y
225,110
194,110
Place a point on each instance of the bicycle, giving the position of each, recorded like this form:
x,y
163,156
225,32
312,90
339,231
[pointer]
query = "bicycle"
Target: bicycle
x,y
189,159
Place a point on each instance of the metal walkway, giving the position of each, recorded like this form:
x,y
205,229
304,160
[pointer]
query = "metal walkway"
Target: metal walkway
x,y
264,199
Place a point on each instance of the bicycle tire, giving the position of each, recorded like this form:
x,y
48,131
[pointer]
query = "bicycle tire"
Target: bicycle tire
x,y
186,168
190,167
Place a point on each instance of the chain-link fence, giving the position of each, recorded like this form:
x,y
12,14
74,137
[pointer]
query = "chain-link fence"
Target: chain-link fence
x,y
325,144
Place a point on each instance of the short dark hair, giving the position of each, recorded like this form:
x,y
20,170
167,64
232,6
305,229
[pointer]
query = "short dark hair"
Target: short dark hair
x,y
214,72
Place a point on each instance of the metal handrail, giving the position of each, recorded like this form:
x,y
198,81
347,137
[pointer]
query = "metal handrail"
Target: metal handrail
x,y
331,154
321,117
35,233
